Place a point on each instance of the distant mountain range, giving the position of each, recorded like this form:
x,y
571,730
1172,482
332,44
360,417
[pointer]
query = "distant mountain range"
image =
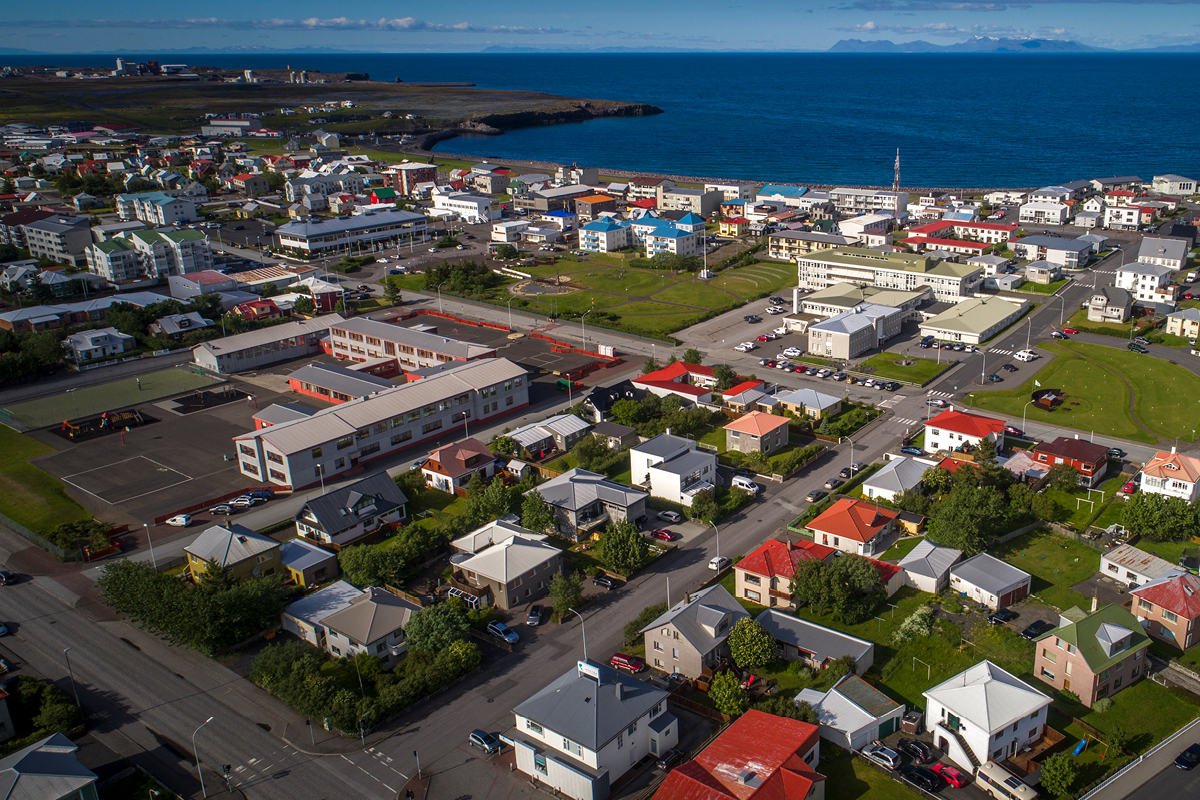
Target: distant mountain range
x,y
976,44
234,50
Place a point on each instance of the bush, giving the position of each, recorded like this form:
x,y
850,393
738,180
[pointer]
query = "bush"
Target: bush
x,y
917,625
1102,705
633,629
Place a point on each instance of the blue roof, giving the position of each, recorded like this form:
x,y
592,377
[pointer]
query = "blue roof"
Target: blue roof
x,y
602,226
785,191
667,232
690,219
733,203
558,213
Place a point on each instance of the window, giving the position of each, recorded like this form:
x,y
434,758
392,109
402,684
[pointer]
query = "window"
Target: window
x,y
316,452
620,740
248,467
1169,616
402,436
658,646
539,763
1051,657
632,728
752,595
752,580
429,427
277,475
533,726
278,459
1145,605
367,450
343,443
246,449
573,748
675,653
339,463
1116,683
1047,673
262,557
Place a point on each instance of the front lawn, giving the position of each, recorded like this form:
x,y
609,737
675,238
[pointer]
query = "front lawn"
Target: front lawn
x,y
1042,288
920,372
1055,563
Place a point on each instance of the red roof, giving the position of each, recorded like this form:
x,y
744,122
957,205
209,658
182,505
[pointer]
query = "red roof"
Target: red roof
x,y
774,558
1074,449
1121,193
739,221
744,386
931,228
966,424
1179,594
757,423
245,176
451,459
850,518
675,372
673,386
927,240
951,464
771,748
648,202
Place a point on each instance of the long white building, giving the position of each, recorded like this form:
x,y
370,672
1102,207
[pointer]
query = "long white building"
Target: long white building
x,y
865,201
320,235
948,281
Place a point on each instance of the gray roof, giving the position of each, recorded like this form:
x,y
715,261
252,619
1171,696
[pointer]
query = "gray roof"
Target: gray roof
x,y
230,545
1163,248
687,462
577,488
1187,313
371,616
335,512
822,642
45,770
320,604
1119,179
612,429
271,334
1052,243
562,424
898,475
416,339
698,616
930,560
989,573
588,712
1114,296
300,555
283,412
857,318
1142,268
664,445
809,398
341,379
323,227
178,323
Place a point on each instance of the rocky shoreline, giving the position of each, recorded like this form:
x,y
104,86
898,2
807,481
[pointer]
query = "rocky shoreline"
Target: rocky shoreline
x,y
496,124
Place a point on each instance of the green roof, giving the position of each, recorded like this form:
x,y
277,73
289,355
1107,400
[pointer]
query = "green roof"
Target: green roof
x,y
113,246
907,262
974,315
1088,632
385,192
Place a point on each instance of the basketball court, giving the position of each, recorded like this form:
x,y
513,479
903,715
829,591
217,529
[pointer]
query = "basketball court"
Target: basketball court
x,y
127,479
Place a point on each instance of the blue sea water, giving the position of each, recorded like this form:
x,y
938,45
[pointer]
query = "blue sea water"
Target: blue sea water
x,y
959,120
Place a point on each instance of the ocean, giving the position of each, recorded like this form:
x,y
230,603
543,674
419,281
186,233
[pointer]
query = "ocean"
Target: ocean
x,y
959,120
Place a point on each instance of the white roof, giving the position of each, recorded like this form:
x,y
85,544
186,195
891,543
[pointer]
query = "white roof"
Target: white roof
x,y
510,558
988,697
490,534
929,559
269,335
319,605
898,475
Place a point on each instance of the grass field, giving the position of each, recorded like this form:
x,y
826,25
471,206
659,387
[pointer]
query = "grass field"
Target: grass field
x,y
29,495
1042,288
921,372
1056,565
93,400
1079,514
850,778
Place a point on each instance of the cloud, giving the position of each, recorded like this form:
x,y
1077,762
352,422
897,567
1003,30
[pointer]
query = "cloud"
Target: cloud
x,y
938,29
986,5
401,24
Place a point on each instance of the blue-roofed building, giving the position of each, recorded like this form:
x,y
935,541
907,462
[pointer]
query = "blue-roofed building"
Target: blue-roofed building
x,y
662,236
605,235
684,220
319,235
776,193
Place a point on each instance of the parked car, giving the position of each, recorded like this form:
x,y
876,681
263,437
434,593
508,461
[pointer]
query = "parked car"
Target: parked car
x,y
743,472
752,318
845,472
7,578
487,742
1130,488
1071,331
994,378
911,451
535,615
936,402
921,777
670,516
1014,431
245,501
793,352
815,495
180,520
833,483
224,509
1188,758
262,494
1036,629
1009,368
501,631
1135,347
718,563
669,759
885,757
951,775
604,581
1058,335
1002,616
916,749
777,300
763,338
665,535
1116,452
1141,340
627,662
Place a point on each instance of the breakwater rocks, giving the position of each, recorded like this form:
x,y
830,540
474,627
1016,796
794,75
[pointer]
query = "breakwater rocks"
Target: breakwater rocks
x,y
496,124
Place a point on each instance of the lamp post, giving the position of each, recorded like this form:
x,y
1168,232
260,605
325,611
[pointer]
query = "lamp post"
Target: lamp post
x,y
1062,308
74,688
584,629
149,541
196,753
440,285
510,327
583,326
321,474
1023,411
717,531
362,731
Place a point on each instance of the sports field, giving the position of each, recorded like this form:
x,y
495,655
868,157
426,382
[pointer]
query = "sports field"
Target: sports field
x,y
93,400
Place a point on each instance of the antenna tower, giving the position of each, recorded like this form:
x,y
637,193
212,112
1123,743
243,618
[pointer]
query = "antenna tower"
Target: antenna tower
x,y
896,180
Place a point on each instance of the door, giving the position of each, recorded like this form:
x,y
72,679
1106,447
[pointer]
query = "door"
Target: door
x,y
952,723
886,728
1066,684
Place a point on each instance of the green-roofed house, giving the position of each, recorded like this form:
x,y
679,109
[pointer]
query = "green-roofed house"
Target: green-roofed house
x,y
949,282
974,320
1093,654
116,260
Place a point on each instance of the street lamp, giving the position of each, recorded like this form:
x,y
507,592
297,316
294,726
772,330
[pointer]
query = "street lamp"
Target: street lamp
x,y
321,473
74,688
150,541
583,326
196,753
717,531
1023,410
1062,308
582,628
440,285
510,327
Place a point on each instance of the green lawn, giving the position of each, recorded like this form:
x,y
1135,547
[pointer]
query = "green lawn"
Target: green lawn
x,y
1055,563
1171,551
851,778
1096,399
901,548
921,372
1076,513
28,495
1042,288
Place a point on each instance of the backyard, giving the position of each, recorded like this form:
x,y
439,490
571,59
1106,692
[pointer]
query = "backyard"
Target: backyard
x,y
1056,565
1075,510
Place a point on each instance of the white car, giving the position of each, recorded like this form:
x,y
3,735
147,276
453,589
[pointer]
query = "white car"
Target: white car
x,y
670,516
776,310
781,330
180,520
383,261
883,756
793,352
719,563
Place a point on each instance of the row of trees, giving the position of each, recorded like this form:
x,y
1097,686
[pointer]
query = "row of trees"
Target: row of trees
x,y
1160,518
467,279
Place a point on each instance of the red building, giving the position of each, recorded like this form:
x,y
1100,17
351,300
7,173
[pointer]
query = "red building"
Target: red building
x,y
258,309
1090,460
405,177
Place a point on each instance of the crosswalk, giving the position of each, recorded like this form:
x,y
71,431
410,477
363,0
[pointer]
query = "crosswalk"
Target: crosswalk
x,y
1000,352
941,394
907,422
891,402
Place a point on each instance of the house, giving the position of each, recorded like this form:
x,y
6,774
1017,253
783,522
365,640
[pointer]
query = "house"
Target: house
x,y
989,581
1171,253
757,432
958,431
672,468
47,770
1066,253
1134,567
605,236
769,569
974,320
580,734
1042,212
304,617
984,714
689,637
1147,282
263,309
174,326
734,226
927,566
98,343
895,478
307,564
1089,219
854,713
614,436
1090,460
1122,217
1093,654
816,646
854,526
560,432
758,757
1117,183
1168,607
503,565
811,403
748,396
600,400
450,467
343,516
1172,475
1185,323
234,548
584,501
374,623
1110,304
1173,184
692,382
249,183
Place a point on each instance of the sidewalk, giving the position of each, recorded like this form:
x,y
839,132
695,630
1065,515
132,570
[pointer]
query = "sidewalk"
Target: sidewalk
x,y
1146,766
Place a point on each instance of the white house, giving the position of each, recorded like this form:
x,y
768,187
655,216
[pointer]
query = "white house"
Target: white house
x,y
1145,281
1172,475
987,580
1040,212
589,727
1123,218
859,227
304,617
1171,253
673,468
508,232
853,713
1069,253
1173,184
927,566
86,345
957,430
464,206
984,714
604,236
895,478
1134,567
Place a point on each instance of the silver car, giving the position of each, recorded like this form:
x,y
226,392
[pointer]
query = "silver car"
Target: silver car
x,y
883,756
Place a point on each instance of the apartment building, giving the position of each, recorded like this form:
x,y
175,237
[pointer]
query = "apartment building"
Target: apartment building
x,y
1171,253
1144,281
156,209
1041,212
365,339
322,185
407,176
61,239
1122,218
11,230
788,245
338,439
947,281
647,188
1168,607
465,206
320,235
731,191
116,260
251,184
265,346
591,206
605,235
986,232
865,201
698,201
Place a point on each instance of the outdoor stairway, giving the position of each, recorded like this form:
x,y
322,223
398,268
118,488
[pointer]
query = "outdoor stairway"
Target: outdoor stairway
x,y
966,747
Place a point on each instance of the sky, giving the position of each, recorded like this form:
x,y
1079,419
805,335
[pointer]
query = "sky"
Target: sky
x,y
69,26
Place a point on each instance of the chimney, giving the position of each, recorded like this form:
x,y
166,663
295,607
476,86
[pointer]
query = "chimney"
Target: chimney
x,y
1095,603
1172,449
620,691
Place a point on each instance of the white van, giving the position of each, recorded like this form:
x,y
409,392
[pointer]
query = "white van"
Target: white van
x,y
1025,355
1002,784
745,484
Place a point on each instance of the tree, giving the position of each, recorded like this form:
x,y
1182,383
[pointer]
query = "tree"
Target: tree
x,y
269,289
937,480
215,578
1058,774
590,453
750,644
693,356
649,365
391,292
633,628
506,251
628,412
365,565
810,585
783,705
304,305
969,517
857,589
39,291
566,592
728,695
536,513
1117,738
704,506
1063,478
505,445
436,627
1159,518
623,549
475,485
724,376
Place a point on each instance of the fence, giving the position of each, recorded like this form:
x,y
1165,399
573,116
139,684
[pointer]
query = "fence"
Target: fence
x,y
697,708
39,540
1068,533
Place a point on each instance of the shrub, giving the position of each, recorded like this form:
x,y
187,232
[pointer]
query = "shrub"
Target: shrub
x,y
917,625
633,629
1102,705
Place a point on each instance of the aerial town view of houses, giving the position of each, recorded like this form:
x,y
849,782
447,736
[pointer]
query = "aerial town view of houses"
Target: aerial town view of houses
x,y
334,467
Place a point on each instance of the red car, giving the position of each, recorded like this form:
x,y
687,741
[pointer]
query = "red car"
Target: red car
x,y
665,535
763,338
1189,296
1070,330
951,775
1130,488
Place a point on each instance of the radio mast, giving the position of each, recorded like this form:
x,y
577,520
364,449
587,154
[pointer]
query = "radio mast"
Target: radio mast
x,y
896,180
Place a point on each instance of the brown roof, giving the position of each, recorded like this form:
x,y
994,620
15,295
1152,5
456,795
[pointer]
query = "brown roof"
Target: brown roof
x,y
1074,449
451,460
1173,465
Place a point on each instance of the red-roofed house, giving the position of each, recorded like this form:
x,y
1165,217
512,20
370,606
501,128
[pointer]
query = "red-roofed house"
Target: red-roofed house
x,y
1172,475
1168,608
737,226
758,757
1089,459
450,468
854,526
765,576
249,184
648,203
692,381
1119,197
960,246
757,432
957,430
258,309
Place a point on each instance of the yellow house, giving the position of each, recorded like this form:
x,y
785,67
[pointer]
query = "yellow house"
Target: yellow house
x,y
737,226
1185,323
243,552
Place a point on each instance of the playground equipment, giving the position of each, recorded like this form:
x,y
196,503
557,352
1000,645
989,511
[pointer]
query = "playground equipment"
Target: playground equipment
x,y
1090,740
105,423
